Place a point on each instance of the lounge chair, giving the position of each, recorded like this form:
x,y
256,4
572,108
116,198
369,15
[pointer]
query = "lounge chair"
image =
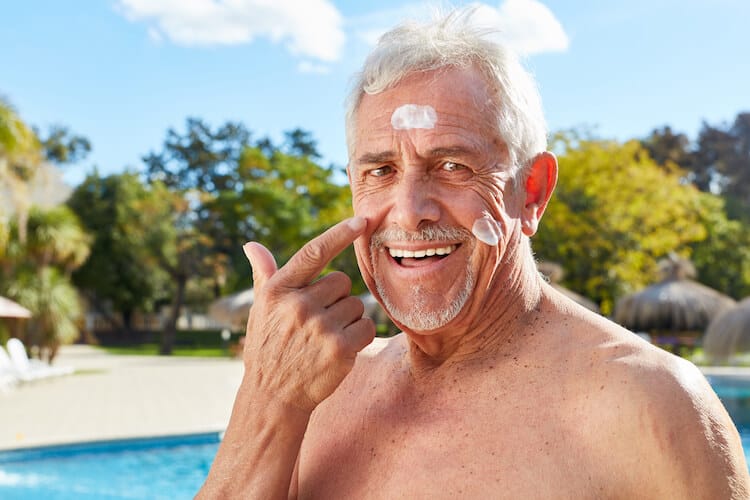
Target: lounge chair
x,y
32,369
9,368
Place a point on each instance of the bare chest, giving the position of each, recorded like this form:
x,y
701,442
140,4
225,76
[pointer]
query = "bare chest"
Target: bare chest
x,y
493,446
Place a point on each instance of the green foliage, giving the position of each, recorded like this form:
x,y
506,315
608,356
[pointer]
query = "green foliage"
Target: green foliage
x,y
615,212
18,143
62,146
54,303
122,215
286,200
722,259
56,237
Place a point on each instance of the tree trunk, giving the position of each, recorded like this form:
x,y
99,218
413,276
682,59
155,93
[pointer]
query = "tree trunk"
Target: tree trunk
x,y
170,329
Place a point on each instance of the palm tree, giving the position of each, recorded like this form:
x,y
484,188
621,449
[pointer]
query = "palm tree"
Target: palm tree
x,y
37,275
55,305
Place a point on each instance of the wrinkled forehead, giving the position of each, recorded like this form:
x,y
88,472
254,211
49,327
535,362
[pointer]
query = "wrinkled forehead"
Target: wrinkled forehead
x,y
455,100
445,108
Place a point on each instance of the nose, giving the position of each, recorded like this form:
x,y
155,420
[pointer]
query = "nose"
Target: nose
x,y
415,203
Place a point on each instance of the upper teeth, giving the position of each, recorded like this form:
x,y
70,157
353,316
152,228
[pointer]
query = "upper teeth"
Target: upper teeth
x,y
397,252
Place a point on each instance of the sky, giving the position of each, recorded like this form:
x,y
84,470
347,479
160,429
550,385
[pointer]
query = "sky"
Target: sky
x,y
123,72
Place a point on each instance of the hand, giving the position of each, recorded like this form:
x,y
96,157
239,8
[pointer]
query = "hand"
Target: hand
x,y
303,335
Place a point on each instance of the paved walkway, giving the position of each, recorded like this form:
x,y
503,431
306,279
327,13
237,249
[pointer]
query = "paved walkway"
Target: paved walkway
x,y
112,397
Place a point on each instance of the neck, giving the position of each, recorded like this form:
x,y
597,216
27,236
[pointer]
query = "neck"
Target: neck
x,y
487,328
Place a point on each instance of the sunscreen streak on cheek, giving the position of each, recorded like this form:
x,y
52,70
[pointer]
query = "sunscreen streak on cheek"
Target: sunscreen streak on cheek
x,y
411,116
486,230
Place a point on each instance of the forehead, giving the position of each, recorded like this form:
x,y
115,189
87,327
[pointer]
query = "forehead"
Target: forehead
x,y
459,97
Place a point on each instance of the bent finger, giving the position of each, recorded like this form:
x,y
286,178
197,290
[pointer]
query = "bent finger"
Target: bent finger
x,y
330,288
360,333
346,311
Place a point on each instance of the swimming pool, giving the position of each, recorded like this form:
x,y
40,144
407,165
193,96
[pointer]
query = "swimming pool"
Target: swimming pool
x,y
734,392
160,468
175,467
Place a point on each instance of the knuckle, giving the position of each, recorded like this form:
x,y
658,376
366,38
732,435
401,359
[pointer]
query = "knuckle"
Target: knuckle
x,y
341,280
317,322
299,308
366,327
356,305
338,347
313,253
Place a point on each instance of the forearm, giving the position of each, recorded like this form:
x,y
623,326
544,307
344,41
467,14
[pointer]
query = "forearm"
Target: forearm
x,y
257,456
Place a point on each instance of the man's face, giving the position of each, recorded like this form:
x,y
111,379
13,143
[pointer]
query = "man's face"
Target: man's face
x,y
427,163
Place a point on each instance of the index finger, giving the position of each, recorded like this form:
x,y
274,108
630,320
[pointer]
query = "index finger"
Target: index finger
x,y
311,259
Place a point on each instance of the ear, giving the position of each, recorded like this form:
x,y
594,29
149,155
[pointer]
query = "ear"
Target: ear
x,y
539,186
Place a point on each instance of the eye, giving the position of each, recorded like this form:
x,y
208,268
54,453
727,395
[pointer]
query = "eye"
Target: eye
x,y
380,171
450,166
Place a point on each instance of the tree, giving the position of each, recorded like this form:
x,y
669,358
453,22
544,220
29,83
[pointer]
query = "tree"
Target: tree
x,y
666,147
229,192
286,200
722,259
35,273
200,159
62,146
614,213
120,276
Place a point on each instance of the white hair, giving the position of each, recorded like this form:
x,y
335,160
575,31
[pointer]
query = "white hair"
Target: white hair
x,y
456,41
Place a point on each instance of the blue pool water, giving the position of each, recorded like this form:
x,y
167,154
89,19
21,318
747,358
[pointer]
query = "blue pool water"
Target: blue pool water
x,y
163,468
175,467
734,392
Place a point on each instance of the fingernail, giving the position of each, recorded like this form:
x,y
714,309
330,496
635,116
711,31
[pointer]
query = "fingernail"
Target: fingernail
x,y
245,249
357,223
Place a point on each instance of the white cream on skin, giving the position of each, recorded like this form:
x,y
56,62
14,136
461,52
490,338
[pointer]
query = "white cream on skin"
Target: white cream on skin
x,y
487,230
411,116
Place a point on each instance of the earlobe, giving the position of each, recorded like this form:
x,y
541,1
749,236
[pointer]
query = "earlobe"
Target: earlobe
x,y
540,183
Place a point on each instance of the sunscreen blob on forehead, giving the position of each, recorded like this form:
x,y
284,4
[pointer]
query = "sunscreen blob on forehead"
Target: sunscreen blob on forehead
x,y
411,116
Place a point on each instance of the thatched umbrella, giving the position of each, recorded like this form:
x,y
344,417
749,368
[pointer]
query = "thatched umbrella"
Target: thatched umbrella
x,y
232,310
10,309
675,306
728,333
554,274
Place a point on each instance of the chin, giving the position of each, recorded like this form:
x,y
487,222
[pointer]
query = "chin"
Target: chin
x,y
415,313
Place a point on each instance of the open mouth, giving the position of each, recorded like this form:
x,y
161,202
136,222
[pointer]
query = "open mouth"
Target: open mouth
x,y
415,257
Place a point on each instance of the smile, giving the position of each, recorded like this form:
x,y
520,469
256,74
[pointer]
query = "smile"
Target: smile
x,y
400,253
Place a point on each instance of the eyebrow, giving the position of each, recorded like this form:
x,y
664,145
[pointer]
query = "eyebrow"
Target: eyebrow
x,y
386,156
370,158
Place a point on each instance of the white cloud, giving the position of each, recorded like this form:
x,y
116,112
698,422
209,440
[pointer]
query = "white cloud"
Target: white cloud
x,y
527,26
309,28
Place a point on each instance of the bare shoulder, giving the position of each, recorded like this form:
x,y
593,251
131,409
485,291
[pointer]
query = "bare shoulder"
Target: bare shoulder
x,y
667,416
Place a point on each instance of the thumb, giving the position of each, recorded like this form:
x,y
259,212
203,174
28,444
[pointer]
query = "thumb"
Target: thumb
x,y
262,262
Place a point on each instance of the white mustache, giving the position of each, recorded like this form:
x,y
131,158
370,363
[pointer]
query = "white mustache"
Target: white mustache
x,y
429,233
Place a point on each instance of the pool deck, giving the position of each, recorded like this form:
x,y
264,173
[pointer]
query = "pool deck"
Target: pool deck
x,y
117,397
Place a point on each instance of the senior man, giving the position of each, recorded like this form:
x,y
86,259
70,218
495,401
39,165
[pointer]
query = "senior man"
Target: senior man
x,y
499,387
